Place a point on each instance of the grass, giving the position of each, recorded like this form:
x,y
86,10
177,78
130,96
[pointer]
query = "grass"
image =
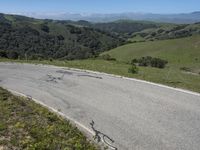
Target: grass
x,y
137,38
27,125
180,53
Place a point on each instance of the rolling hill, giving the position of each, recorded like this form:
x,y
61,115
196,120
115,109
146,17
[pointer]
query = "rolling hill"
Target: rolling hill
x,y
166,31
144,30
183,56
22,37
28,38
183,51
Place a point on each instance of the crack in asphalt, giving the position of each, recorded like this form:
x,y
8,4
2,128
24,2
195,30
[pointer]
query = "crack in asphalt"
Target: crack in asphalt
x,y
51,78
64,72
79,75
85,75
99,136
54,79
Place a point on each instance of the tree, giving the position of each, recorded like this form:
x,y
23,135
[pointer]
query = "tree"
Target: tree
x,y
134,61
3,54
12,55
133,69
45,28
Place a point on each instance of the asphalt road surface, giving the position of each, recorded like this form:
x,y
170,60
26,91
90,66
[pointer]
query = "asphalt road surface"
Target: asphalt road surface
x,y
132,115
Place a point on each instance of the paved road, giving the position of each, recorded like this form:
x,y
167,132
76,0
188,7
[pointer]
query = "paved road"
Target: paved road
x,y
135,115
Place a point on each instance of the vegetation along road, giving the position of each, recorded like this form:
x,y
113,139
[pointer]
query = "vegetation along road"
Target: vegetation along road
x,y
27,125
124,113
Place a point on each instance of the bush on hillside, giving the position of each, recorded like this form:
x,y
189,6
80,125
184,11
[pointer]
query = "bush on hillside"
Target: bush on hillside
x,y
134,61
133,69
107,57
3,54
44,28
186,69
150,61
13,55
145,61
158,63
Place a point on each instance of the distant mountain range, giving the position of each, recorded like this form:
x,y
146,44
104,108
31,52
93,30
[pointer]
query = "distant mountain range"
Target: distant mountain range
x,y
183,18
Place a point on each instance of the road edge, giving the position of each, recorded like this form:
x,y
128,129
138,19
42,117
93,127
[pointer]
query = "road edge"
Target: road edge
x,y
78,124
125,78
89,133
113,75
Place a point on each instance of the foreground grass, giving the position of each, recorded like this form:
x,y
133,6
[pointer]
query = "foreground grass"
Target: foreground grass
x,y
171,76
27,125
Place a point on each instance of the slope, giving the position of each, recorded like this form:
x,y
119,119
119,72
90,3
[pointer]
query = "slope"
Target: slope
x,y
177,51
183,55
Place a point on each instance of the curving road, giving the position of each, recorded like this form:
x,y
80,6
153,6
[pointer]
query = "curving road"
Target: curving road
x,y
133,115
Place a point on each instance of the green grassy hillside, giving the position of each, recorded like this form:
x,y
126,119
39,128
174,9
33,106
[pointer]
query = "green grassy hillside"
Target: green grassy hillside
x,y
183,56
166,31
185,51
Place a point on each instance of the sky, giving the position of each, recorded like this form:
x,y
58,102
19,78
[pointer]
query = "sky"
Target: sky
x,y
100,6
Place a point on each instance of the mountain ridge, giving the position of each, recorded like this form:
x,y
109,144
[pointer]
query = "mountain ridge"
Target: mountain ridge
x,y
179,18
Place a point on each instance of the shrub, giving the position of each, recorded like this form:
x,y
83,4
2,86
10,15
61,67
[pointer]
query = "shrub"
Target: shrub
x,y
134,61
3,54
60,37
185,69
108,57
12,55
35,57
133,69
158,63
145,61
149,61
45,28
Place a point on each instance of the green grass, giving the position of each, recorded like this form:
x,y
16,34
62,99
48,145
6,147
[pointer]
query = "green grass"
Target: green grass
x,y
137,38
27,125
111,67
179,53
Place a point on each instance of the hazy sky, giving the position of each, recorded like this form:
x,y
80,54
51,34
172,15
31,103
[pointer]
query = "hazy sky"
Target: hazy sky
x,y
100,6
